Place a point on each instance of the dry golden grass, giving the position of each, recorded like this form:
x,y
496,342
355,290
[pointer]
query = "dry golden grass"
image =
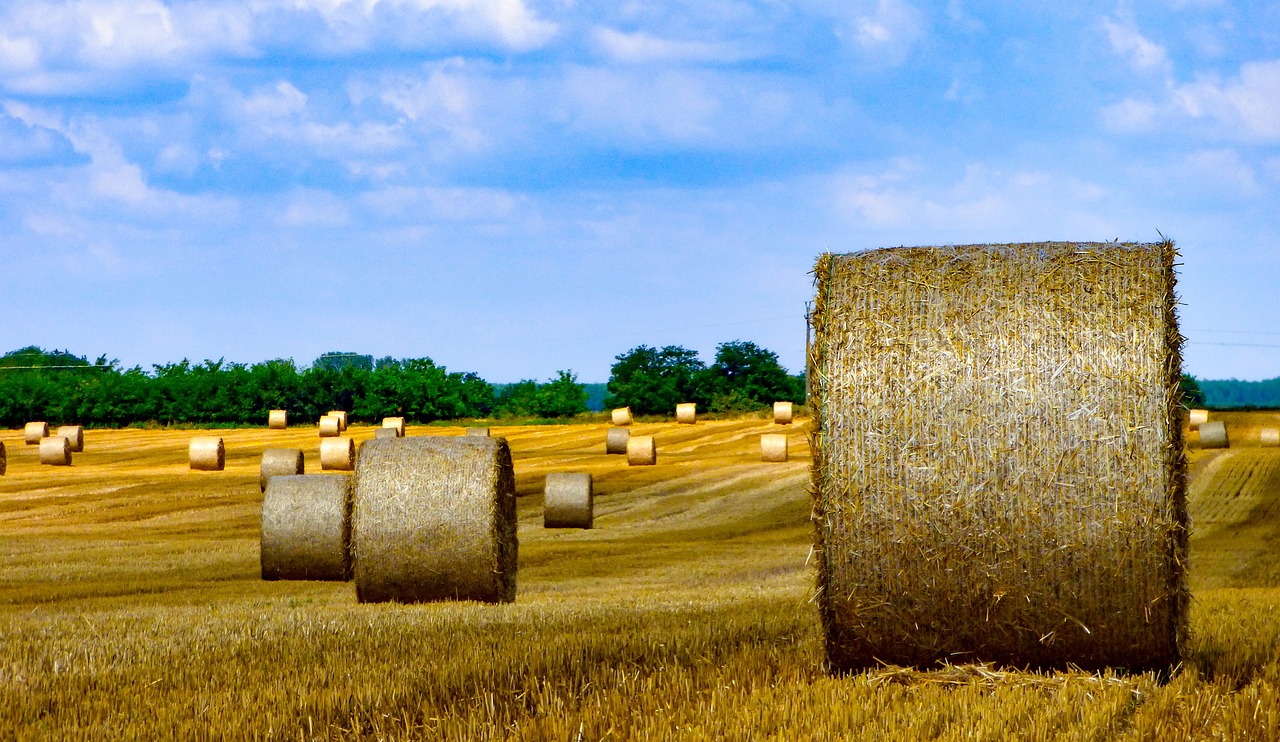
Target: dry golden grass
x,y
131,607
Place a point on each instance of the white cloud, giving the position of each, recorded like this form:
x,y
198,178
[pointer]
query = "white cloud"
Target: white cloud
x,y
643,48
1130,116
1142,54
510,22
1248,104
311,208
887,33
18,54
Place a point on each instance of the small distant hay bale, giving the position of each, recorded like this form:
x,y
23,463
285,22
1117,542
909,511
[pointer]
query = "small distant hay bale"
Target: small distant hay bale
x,y
386,433
480,432
394,423
567,500
55,451
342,417
278,420
641,451
435,519
337,454
206,453
330,426
4,462
1196,417
306,528
773,447
998,466
74,435
622,416
33,433
280,462
616,440
782,413
1269,436
687,413
1214,435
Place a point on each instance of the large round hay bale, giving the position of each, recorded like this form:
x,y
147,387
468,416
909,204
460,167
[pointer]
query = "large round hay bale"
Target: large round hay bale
x,y
998,466
773,447
621,416
4,463
1214,435
306,528
782,413
387,433
280,462
330,426
338,454
394,423
615,440
567,500
1196,417
1269,436
32,433
435,519
641,451
342,418
277,420
206,453
74,435
479,432
55,451
687,413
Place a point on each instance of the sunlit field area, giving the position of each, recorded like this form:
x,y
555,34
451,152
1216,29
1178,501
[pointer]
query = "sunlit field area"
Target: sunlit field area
x,y
131,607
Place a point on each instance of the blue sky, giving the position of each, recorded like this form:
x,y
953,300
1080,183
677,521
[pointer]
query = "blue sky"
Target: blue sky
x,y
514,187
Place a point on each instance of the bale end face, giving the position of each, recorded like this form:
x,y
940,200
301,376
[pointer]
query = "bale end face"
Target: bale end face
x,y
74,435
615,441
206,453
394,423
1196,417
280,462
386,433
342,418
641,451
773,447
278,420
338,454
478,432
567,500
55,451
1269,436
33,433
782,413
621,416
687,413
1214,435
330,426
306,528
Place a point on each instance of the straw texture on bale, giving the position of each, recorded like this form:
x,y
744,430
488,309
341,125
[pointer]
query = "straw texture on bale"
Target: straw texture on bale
x,y
342,418
1269,436
615,440
641,451
773,447
278,420
394,423
1214,435
306,528
32,433
55,451
1196,417
687,413
280,462
386,433
621,416
338,454
567,500
206,453
4,463
782,413
330,427
480,432
435,519
999,473
74,435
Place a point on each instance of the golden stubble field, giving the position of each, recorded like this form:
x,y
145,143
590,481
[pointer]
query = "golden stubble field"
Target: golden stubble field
x,y
131,608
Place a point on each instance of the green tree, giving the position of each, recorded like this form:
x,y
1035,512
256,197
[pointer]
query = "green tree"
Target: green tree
x,y
744,377
652,381
1192,395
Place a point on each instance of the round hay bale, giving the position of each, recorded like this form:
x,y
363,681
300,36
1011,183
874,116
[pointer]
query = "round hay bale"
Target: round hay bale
x,y
206,453
1196,417
621,416
687,413
394,423
306,528
641,451
277,420
74,435
1269,436
32,433
280,462
1214,435
773,447
435,519
4,463
615,440
337,454
330,426
55,451
782,413
387,433
342,418
567,500
999,472
480,432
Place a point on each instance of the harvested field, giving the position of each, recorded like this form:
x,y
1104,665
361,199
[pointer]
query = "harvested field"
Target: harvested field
x,y
131,606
